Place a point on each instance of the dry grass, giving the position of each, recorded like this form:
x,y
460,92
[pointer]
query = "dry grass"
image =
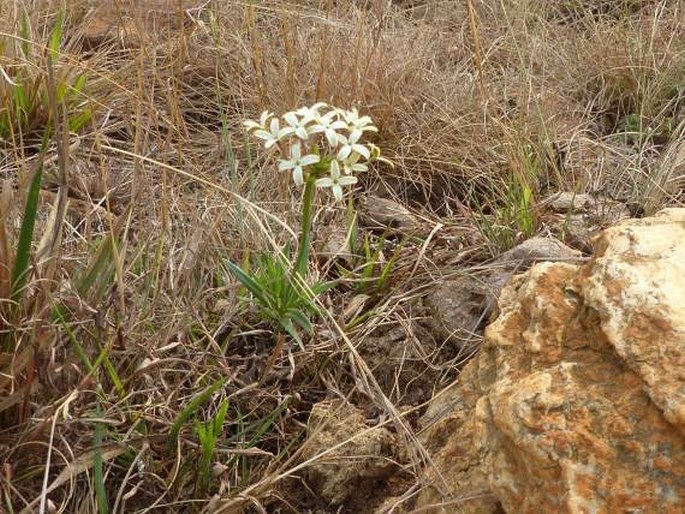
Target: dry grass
x,y
128,312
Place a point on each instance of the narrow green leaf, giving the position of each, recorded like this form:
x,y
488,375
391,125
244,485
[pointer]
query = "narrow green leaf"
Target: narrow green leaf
x,y
267,422
301,320
25,33
77,121
56,37
21,262
255,288
59,314
101,266
79,84
98,465
188,410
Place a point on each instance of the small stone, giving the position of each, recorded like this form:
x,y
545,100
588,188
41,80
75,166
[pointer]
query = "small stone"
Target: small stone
x,y
538,249
387,215
351,471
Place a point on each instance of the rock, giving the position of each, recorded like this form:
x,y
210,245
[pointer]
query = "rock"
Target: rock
x,y
537,249
457,308
387,215
334,243
576,402
577,217
352,472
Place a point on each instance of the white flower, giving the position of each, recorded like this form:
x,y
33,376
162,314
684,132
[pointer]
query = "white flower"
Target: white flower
x,y
350,145
312,111
357,124
274,134
297,163
328,125
335,181
299,123
352,165
253,125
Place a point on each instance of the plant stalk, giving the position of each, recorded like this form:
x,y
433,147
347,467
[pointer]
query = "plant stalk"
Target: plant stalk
x,y
306,227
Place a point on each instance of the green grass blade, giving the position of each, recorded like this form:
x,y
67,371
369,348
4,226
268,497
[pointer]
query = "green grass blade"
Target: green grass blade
x,y
55,41
59,314
299,318
188,410
266,423
23,253
102,265
25,32
254,287
98,465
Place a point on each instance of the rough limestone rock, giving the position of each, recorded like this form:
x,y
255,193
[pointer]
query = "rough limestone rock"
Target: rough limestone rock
x,y
576,402
351,472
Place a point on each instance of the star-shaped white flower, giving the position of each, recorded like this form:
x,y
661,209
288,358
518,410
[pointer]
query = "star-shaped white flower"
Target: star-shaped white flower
x,y
299,123
350,145
352,165
335,181
274,134
297,163
358,124
253,125
328,125
312,111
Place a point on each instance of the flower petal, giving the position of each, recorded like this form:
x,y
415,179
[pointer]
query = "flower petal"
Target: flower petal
x,y
291,119
298,175
264,118
344,153
309,159
362,150
295,152
335,170
324,182
332,137
263,134
285,165
339,124
347,180
285,131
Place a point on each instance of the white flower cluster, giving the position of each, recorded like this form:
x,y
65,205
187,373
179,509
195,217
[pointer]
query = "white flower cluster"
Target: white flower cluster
x,y
320,142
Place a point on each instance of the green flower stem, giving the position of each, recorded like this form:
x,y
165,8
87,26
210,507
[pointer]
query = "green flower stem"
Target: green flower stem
x,y
306,227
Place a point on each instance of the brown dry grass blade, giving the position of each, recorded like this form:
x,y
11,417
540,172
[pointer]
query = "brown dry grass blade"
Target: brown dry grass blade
x,y
80,465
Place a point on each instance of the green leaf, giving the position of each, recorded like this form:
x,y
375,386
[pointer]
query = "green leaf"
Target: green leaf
x,y
25,33
56,37
98,465
298,317
288,326
21,263
76,122
79,84
188,410
322,287
254,287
